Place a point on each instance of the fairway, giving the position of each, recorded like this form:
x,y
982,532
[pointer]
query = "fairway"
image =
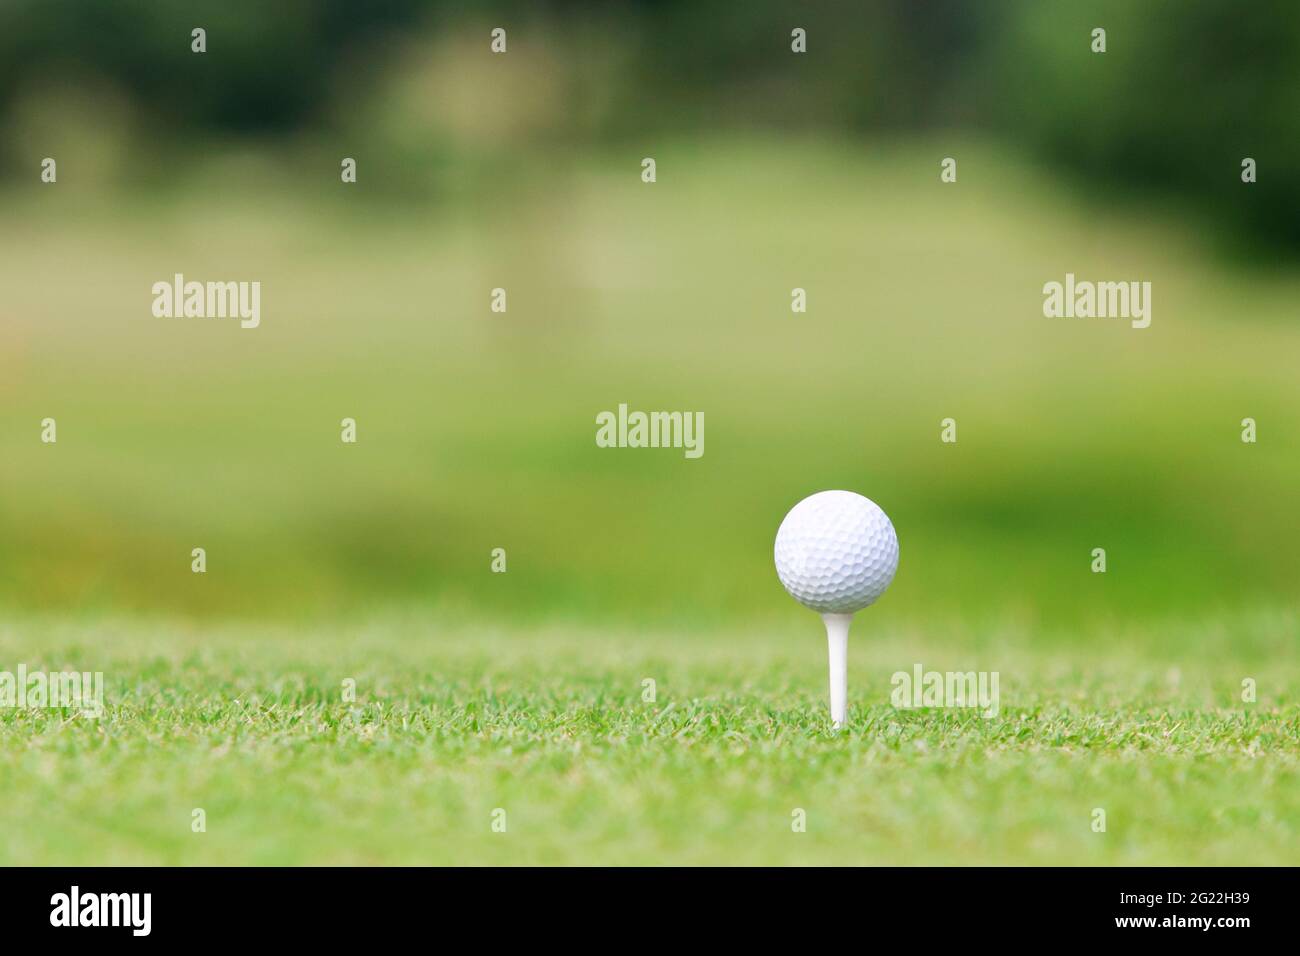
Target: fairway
x,y
477,430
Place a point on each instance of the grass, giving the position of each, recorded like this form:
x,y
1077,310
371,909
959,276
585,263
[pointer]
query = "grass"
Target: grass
x,y
522,691
476,430
452,721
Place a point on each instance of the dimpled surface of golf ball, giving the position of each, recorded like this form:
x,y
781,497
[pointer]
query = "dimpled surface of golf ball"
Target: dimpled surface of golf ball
x,y
836,552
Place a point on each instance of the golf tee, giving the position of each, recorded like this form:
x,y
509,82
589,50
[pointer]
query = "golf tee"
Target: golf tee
x,y
837,644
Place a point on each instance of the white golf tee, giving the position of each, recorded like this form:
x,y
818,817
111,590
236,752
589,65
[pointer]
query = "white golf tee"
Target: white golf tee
x,y
837,644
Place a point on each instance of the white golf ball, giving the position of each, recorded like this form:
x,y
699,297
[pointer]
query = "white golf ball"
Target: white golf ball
x,y
836,552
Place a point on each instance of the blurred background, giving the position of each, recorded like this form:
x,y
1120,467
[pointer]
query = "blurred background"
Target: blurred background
x,y
776,170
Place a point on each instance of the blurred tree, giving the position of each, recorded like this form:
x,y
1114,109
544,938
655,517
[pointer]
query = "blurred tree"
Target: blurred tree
x,y
1185,91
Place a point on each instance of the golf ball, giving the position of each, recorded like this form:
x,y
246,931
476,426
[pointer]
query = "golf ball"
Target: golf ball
x,y
836,552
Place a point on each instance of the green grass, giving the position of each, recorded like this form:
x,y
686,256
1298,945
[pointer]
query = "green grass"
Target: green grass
x,y
523,691
477,430
452,721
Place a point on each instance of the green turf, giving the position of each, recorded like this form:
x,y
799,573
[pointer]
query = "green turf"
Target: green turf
x,y
477,430
453,721
522,690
